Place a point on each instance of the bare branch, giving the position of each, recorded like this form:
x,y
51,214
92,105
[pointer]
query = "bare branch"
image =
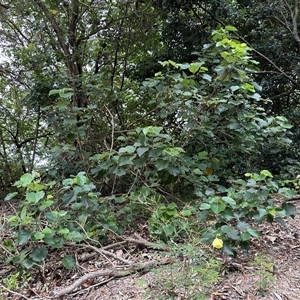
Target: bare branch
x,y
295,25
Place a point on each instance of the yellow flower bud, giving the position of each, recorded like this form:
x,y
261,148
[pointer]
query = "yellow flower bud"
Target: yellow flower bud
x,y
217,243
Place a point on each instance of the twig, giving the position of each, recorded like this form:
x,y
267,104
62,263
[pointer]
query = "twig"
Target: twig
x,y
15,293
102,251
107,253
112,273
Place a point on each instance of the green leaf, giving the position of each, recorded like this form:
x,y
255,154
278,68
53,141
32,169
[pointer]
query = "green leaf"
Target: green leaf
x,y
168,229
34,186
51,217
80,179
266,173
34,197
202,215
45,204
217,207
126,160
242,225
10,196
207,77
46,230
23,236
248,87
289,208
26,179
230,28
39,254
63,231
226,228
203,154
229,200
204,206
234,235
127,149
254,232
174,151
186,213
140,151
23,212
161,88
227,249
245,236
68,262
197,172
38,235
194,67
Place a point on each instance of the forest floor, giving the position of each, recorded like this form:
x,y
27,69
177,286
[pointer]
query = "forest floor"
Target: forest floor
x,y
133,268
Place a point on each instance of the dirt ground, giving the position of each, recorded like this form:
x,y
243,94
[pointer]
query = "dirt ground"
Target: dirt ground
x,y
271,271
242,278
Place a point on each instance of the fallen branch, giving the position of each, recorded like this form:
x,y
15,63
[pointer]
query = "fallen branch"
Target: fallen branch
x,y
111,272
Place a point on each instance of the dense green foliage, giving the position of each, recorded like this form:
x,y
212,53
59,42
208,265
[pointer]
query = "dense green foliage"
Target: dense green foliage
x,y
113,108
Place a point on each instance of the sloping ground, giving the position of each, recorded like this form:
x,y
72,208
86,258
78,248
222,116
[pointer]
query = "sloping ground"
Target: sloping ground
x,y
270,271
276,272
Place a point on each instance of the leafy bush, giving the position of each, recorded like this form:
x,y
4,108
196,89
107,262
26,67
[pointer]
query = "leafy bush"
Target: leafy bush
x,y
179,174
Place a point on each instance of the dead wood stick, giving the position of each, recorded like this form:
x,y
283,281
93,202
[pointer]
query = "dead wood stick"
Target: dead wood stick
x,y
111,272
107,253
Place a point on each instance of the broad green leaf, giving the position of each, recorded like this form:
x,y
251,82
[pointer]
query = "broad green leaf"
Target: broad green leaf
x,y
174,151
227,249
197,172
38,235
34,186
69,197
207,77
80,179
202,215
245,236
226,228
127,149
186,213
243,226
203,154
289,208
194,67
217,207
23,236
39,254
26,179
64,231
254,232
47,230
229,200
184,66
141,150
161,88
168,229
45,204
51,217
234,235
75,236
126,160
34,197
68,262
204,206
